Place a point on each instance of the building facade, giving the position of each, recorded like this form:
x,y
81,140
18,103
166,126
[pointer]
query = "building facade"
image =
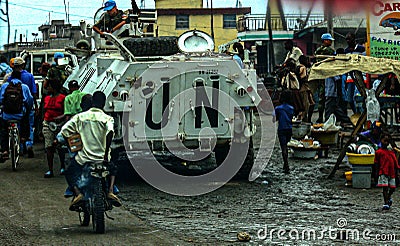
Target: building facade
x,y
175,17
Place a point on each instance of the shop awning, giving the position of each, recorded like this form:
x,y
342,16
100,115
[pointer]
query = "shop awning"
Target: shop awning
x,y
263,35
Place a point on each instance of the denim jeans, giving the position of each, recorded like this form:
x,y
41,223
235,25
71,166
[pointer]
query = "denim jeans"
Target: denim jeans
x,y
29,142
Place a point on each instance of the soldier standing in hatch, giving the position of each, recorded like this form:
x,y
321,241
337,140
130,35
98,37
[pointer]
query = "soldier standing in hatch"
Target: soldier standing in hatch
x,y
110,21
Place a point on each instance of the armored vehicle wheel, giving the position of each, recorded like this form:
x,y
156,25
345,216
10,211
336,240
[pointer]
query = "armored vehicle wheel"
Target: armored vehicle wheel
x,y
244,171
152,46
222,151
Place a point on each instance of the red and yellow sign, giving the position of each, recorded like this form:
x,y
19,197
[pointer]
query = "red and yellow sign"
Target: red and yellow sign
x,y
384,29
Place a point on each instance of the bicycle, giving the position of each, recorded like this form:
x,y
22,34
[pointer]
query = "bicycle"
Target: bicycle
x,y
14,143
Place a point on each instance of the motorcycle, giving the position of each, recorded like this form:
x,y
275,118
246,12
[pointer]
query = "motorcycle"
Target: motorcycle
x,y
94,186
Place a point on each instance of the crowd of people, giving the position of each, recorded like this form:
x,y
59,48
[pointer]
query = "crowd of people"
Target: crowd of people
x,y
334,95
63,111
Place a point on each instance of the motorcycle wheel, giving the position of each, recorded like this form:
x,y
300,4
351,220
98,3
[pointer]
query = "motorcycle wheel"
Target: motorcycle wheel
x,y
98,208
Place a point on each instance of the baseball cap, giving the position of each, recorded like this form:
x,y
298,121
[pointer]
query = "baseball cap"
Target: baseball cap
x,y
18,61
327,36
58,55
12,62
110,4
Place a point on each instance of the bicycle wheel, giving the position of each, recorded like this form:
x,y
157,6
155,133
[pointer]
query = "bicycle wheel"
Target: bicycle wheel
x,y
14,148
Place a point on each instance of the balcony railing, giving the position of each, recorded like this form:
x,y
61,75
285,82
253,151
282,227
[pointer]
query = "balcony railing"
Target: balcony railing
x,y
293,22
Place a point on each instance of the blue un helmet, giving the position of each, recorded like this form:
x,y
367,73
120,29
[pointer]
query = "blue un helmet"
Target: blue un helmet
x,y
327,36
58,55
109,5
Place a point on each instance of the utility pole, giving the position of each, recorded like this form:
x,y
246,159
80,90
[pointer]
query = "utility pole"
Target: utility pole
x,y
6,19
304,24
328,11
212,21
271,51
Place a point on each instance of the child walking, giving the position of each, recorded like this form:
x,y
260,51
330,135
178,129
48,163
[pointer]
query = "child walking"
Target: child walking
x,y
388,165
284,114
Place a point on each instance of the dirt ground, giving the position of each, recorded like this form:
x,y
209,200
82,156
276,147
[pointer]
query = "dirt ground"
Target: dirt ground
x,y
302,208
33,211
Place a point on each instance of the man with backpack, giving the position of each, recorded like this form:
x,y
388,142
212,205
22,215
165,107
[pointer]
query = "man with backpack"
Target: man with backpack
x,y
27,79
16,101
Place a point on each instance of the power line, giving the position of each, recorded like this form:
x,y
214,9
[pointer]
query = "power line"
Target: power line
x,y
54,6
23,25
46,10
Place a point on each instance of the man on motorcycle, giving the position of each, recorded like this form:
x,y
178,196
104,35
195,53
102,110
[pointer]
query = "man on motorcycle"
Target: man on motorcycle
x,y
96,130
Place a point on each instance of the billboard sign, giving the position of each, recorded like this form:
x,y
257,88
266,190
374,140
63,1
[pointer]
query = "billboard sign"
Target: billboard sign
x,y
384,29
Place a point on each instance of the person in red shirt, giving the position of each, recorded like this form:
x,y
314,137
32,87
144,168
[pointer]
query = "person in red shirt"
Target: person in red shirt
x,y
53,116
388,166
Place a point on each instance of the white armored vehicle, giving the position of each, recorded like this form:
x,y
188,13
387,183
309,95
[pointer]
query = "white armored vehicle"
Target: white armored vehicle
x,y
188,103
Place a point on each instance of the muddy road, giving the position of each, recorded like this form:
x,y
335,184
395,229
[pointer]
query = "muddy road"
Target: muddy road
x,y
302,207
302,202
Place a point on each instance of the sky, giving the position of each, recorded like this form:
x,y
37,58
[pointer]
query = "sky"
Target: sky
x,y
27,15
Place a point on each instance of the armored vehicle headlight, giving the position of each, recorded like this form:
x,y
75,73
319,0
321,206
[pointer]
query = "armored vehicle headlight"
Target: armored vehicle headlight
x,y
124,96
241,91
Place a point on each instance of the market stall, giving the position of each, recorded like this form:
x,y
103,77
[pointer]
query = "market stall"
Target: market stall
x,y
355,64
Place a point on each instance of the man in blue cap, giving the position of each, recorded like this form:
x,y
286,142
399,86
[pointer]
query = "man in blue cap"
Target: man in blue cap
x,y
110,21
57,72
324,49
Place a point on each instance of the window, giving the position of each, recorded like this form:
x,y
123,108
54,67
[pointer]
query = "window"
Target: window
x,y
229,21
182,21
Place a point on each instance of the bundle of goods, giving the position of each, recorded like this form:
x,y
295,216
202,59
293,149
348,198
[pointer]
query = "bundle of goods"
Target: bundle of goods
x,y
326,133
305,148
304,143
